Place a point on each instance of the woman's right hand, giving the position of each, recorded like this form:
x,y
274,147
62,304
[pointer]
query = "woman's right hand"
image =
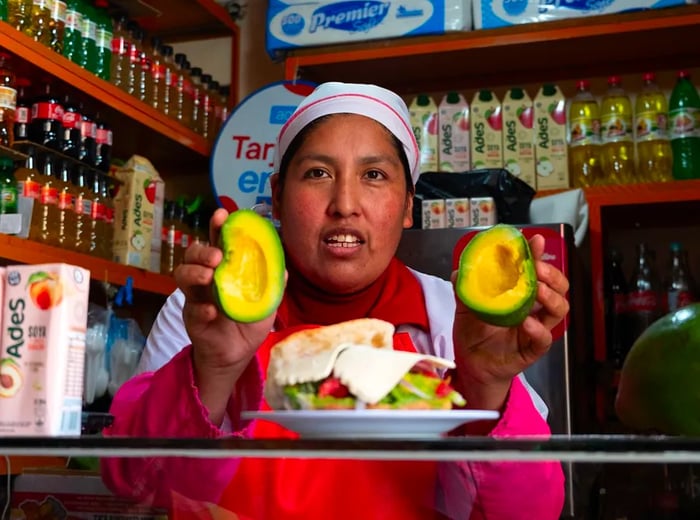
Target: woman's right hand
x,y
222,348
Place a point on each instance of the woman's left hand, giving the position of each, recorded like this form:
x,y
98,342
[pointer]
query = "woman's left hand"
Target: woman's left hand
x,y
489,357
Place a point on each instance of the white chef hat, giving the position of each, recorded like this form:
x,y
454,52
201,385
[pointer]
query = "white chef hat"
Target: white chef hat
x,y
377,103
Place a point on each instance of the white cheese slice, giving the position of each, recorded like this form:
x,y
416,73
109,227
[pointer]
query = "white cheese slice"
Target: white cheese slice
x,y
370,373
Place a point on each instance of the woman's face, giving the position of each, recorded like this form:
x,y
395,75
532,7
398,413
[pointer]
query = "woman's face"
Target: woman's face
x,y
344,203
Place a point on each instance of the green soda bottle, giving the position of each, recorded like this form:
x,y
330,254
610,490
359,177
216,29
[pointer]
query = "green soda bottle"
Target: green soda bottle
x,y
684,115
88,52
3,10
8,187
103,63
73,31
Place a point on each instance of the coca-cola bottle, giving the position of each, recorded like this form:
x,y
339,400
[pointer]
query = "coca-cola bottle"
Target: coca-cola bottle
x,y
644,302
678,284
616,322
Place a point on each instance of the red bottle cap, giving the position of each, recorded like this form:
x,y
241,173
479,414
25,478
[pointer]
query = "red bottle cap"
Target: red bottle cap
x,y
583,84
649,77
683,74
614,81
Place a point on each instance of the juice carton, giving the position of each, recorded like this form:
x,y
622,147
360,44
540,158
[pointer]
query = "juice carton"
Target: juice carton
x,y
454,144
550,139
457,213
487,127
518,136
424,120
433,214
483,211
43,349
138,211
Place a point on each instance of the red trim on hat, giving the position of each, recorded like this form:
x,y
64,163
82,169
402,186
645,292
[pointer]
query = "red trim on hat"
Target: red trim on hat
x,y
408,129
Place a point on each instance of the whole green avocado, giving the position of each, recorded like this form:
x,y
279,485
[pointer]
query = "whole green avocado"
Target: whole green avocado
x,y
660,381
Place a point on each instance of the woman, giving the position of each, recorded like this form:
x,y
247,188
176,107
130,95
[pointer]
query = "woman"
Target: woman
x,y
346,163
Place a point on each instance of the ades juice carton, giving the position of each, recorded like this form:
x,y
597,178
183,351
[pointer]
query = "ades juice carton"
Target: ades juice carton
x,y
486,131
453,133
518,136
42,352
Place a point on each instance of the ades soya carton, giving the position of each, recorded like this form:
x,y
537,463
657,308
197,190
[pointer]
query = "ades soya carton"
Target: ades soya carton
x,y
44,318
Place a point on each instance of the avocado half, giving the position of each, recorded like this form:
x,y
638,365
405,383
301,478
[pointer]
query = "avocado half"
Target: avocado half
x,y
496,277
249,281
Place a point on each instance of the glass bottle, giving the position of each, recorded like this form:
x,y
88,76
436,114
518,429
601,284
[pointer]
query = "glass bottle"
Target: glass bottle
x,y
19,14
73,32
23,110
57,25
679,290
8,101
66,207
644,303
119,73
616,326
8,187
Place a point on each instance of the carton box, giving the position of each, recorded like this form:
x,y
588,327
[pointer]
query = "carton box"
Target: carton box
x,y
433,214
519,136
457,213
44,318
551,149
500,13
303,23
138,206
483,211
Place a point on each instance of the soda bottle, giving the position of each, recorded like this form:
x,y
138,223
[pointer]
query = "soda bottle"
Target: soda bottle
x,y
73,33
88,50
8,187
83,211
196,114
72,135
3,10
88,139
40,28
48,203
103,151
119,73
46,124
66,207
103,40
169,238
156,83
23,110
224,93
654,160
168,96
215,116
644,303
97,218
108,223
28,185
19,14
180,111
617,153
584,137
684,111
616,322
206,107
134,73
8,101
145,82
57,25
678,285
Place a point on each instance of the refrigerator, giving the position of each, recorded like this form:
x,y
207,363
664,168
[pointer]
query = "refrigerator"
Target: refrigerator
x,y
436,252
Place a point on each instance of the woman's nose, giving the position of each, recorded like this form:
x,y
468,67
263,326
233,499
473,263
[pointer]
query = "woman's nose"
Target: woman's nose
x,y
346,197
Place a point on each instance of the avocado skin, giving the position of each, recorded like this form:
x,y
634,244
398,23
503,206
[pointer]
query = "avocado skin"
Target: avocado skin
x,y
521,309
660,380
262,231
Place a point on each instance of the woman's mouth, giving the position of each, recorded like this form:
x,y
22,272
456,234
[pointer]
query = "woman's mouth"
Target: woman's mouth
x,y
344,240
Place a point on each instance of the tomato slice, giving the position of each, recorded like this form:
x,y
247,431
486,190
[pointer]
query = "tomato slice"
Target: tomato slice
x,y
333,387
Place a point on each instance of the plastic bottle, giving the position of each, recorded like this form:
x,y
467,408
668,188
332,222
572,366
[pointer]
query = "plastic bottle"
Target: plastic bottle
x,y
119,73
3,10
654,158
224,93
679,289
180,81
617,151
8,187
28,185
196,95
103,140
584,138
46,125
19,14
205,107
169,239
72,135
134,73
644,302
40,28
83,210
88,139
73,34
684,113
66,207
107,238
48,203
145,86
154,85
88,51
215,115
103,41
57,25
8,101
97,218
23,110
168,96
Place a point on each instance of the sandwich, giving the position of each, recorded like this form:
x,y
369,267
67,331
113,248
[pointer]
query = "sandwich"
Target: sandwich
x,y
352,365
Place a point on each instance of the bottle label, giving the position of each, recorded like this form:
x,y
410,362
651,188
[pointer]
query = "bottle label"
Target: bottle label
x,y
120,46
585,131
58,11
8,194
49,195
88,129
83,206
65,201
22,115
678,299
89,29
104,136
185,241
109,215
47,110
619,304
104,39
8,98
685,122
97,211
643,301
652,126
74,21
134,55
616,129
42,4
29,188
71,120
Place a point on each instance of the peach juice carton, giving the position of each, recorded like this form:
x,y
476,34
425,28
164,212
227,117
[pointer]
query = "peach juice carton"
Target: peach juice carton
x,y
44,319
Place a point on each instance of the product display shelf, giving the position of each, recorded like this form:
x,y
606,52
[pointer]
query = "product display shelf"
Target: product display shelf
x,y
138,127
568,49
19,250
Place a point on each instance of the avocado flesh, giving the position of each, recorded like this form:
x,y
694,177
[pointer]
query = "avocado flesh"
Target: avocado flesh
x,y
496,277
660,380
249,281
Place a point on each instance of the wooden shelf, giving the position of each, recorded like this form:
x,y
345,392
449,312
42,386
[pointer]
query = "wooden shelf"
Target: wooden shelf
x,y
138,128
18,250
530,53
649,193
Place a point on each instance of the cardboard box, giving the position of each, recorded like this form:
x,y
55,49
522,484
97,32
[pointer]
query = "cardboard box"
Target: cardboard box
x,y
138,206
501,13
303,23
433,214
42,354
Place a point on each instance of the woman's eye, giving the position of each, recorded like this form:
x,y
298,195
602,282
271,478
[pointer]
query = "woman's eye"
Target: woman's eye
x,y
374,174
315,173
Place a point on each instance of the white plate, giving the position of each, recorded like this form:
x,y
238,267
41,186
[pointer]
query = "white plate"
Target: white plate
x,y
372,424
